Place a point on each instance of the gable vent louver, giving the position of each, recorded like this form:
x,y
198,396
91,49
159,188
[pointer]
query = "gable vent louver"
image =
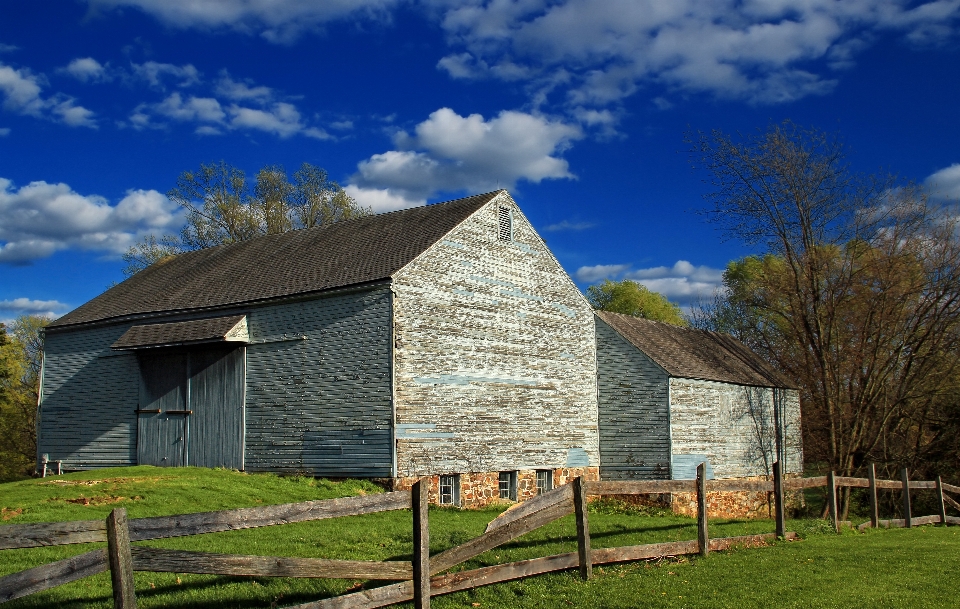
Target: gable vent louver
x,y
506,224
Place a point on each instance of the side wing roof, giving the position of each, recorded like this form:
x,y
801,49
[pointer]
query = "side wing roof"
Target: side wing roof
x,y
351,252
696,354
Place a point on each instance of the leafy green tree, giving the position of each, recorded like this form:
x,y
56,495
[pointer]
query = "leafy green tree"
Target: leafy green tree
x,y
21,353
222,207
631,298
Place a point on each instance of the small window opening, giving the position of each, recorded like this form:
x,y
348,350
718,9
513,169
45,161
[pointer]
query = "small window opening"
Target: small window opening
x,y
544,481
506,224
508,485
450,489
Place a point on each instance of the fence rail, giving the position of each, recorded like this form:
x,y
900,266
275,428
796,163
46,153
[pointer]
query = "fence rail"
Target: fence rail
x,y
423,576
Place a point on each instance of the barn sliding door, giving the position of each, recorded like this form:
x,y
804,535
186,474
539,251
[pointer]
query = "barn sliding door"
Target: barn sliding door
x,y
191,408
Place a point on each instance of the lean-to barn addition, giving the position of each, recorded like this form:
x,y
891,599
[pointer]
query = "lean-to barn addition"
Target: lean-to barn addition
x,y
443,341
671,398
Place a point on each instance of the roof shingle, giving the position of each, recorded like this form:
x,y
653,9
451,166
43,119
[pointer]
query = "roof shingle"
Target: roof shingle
x,y
349,252
696,354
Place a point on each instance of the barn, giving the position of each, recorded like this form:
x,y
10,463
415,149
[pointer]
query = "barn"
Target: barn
x,y
443,341
671,398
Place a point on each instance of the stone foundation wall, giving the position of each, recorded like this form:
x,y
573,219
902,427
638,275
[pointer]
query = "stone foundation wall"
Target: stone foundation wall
x,y
479,489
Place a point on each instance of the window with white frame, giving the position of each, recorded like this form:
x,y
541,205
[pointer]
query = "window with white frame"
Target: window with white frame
x,y
450,489
544,480
508,485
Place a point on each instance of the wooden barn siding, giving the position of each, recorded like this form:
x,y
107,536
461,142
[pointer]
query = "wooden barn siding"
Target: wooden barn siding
x,y
322,404
495,356
794,436
89,399
711,418
634,414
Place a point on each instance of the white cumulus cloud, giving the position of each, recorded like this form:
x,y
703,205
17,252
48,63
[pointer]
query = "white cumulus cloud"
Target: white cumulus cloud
x,y
449,152
40,218
381,200
683,282
945,183
759,51
28,306
86,69
276,20
22,93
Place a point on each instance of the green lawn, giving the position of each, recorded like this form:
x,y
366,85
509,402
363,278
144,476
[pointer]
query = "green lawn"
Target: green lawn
x,y
897,568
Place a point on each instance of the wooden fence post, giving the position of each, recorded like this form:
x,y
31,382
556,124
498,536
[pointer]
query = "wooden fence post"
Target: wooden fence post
x,y
583,527
121,561
419,495
943,508
874,506
907,512
781,529
832,500
702,535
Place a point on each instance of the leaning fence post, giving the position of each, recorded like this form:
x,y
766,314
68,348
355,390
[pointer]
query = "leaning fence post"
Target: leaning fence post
x,y
583,527
907,512
781,530
874,506
702,535
421,544
121,561
943,508
832,500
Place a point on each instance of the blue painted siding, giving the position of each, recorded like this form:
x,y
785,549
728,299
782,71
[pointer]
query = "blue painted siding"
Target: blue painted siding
x,y
89,399
319,386
634,412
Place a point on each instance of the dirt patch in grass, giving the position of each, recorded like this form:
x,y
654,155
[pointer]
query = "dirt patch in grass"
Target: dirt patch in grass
x,y
99,499
127,480
10,513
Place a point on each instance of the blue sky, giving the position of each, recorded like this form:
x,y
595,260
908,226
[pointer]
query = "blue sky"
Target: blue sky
x,y
579,108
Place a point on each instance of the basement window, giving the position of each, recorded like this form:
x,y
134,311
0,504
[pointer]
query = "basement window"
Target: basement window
x,y
450,489
508,485
544,481
505,216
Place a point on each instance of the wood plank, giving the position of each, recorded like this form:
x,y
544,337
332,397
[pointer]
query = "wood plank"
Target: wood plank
x,y
40,534
364,599
853,482
179,561
484,576
794,484
930,484
161,527
874,505
703,536
953,520
643,552
780,523
758,486
949,500
121,561
419,498
454,556
907,510
640,487
583,528
52,574
556,496
951,488
891,484
941,505
832,501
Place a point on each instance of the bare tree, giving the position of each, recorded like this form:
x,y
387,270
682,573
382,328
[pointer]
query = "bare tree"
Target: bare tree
x,y
857,296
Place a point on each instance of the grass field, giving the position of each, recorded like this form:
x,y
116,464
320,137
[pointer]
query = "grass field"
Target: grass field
x,y
898,568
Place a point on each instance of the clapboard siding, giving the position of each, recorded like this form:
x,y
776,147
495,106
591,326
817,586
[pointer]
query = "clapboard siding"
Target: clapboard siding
x,y
90,394
634,415
495,355
732,425
318,386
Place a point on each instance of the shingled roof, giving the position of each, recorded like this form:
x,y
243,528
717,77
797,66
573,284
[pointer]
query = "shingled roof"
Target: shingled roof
x,y
696,354
350,252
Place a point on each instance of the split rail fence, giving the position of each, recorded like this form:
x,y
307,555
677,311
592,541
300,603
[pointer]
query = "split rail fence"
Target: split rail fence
x,y
424,576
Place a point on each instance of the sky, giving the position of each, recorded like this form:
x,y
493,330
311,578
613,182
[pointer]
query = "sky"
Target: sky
x,y
579,108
